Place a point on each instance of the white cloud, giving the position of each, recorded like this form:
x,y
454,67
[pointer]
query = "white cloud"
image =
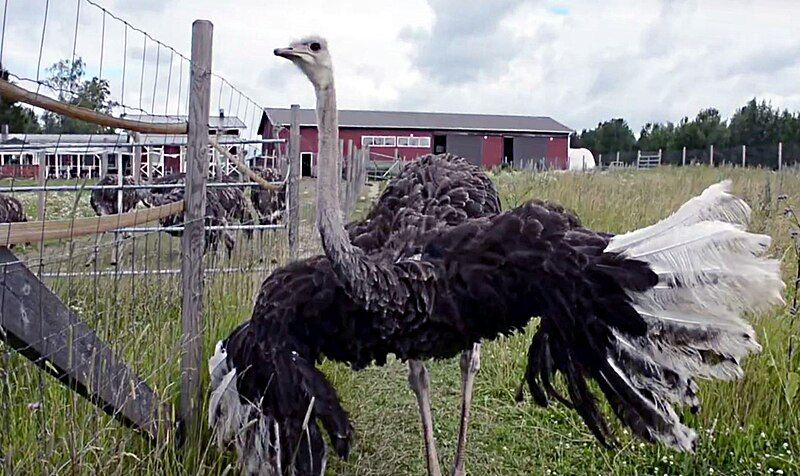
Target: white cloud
x,y
579,61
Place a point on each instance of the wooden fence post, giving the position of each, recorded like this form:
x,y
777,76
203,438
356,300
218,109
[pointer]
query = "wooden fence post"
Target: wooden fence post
x,y
711,155
744,156
137,159
683,156
42,182
293,182
193,239
780,155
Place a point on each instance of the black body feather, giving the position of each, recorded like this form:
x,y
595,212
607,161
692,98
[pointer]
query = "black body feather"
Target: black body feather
x,y
11,210
106,201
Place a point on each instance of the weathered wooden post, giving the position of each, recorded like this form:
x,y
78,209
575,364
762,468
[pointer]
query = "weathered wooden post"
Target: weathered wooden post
x,y
683,156
137,159
780,155
744,156
42,176
293,182
193,239
711,155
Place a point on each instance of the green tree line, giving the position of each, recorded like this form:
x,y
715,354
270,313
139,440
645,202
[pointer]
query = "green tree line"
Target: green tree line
x,y
67,78
755,123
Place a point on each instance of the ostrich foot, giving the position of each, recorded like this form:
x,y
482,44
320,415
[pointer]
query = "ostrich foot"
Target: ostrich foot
x,y
92,258
470,364
420,384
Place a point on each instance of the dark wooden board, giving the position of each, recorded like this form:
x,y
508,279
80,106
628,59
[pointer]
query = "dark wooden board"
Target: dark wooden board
x,y
38,325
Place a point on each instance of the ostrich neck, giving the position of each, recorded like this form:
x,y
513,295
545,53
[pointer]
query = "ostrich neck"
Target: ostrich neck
x,y
335,241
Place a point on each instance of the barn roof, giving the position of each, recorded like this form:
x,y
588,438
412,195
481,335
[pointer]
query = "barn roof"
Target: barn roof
x,y
64,139
214,122
426,120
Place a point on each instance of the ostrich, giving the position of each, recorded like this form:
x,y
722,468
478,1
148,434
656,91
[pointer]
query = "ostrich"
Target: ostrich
x,y
216,215
11,210
269,204
106,202
224,205
644,314
234,202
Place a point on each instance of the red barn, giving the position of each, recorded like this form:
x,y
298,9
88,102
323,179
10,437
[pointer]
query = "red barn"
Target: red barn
x,y
483,139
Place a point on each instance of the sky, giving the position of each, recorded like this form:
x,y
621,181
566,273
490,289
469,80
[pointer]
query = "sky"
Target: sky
x,y
579,61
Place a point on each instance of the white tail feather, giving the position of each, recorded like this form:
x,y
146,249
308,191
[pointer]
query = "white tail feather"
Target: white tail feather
x,y
711,272
254,434
714,204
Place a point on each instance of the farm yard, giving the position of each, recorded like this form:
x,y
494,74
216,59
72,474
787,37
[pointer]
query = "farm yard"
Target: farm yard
x,y
747,427
197,279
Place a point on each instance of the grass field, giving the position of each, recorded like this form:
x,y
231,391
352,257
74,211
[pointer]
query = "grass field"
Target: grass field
x,y
746,427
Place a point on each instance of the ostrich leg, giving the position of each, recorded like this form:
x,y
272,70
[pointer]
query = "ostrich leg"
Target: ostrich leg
x,y
470,364
420,384
95,250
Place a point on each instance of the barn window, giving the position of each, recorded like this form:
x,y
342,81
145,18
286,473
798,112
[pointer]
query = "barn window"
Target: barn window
x,y
412,141
378,141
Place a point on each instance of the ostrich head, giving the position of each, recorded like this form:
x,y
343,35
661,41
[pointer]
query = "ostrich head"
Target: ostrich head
x,y
312,57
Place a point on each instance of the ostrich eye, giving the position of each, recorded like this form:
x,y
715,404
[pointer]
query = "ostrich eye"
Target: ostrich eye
x,y
315,46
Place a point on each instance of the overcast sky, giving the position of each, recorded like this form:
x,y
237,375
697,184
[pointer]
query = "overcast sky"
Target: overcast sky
x,y
579,61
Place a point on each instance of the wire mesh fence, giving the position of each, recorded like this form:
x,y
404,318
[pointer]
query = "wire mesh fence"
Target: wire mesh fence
x,y
769,156
114,300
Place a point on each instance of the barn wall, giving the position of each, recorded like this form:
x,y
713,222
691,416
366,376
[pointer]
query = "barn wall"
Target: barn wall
x,y
481,149
19,171
308,141
492,151
558,153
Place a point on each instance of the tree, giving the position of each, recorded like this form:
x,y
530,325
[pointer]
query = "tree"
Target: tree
x,y
708,128
612,136
755,123
66,77
16,117
656,136
789,127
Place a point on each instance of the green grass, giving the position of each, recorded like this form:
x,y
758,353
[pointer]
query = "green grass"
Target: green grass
x,y
746,427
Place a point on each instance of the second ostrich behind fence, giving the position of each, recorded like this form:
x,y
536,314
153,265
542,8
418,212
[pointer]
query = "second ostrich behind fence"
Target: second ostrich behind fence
x,y
11,210
269,204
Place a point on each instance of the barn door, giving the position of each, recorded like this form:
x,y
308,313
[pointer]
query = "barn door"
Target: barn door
x,y
530,152
469,147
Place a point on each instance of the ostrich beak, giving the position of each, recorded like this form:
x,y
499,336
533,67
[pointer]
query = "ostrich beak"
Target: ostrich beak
x,y
288,53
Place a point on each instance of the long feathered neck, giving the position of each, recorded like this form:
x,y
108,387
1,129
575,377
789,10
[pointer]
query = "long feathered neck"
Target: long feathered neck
x,y
342,254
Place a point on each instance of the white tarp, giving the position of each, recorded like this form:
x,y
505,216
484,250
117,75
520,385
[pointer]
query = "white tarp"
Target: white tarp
x,y
581,159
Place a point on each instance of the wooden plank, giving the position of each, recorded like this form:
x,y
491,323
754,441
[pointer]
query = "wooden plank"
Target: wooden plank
x,y
244,169
38,231
12,92
193,239
39,326
293,183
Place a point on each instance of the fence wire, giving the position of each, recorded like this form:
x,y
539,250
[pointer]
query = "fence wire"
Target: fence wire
x,y
124,287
